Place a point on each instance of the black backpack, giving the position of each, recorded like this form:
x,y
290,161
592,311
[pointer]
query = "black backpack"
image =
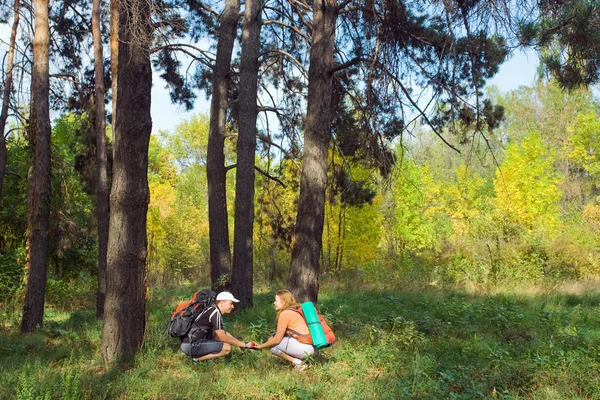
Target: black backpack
x,y
188,312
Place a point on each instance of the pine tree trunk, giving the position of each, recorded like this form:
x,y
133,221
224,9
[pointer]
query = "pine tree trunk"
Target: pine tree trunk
x,y
220,253
39,178
114,55
303,280
241,279
7,87
124,320
101,159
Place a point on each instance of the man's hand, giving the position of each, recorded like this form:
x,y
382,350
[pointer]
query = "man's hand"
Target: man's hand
x,y
250,345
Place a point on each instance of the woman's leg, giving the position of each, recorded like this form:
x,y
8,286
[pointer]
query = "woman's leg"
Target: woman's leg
x,y
287,357
291,350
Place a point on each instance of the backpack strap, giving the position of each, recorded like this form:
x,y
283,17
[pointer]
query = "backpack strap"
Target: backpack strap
x,y
299,336
189,335
302,338
201,314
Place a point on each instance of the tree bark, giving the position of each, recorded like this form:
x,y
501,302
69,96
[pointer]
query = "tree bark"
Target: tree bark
x,y
303,279
241,279
220,253
39,178
102,195
124,319
114,55
6,93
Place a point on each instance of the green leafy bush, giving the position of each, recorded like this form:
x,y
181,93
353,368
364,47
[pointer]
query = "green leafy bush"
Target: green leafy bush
x,y
11,272
71,294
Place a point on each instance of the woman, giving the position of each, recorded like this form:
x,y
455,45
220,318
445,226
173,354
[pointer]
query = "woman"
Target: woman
x,y
290,326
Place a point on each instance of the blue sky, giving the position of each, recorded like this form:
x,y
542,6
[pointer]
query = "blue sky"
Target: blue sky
x,y
518,71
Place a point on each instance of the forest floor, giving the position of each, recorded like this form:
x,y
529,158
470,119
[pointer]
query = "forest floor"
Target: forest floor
x,y
404,344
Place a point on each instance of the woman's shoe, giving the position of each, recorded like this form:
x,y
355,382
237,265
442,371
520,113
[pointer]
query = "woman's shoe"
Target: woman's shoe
x,y
300,367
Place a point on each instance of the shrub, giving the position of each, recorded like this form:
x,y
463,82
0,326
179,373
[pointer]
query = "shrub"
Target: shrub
x,y
71,294
11,272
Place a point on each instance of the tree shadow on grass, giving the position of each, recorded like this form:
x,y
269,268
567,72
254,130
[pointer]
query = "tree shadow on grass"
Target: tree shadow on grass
x,y
396,344
476,345
56,340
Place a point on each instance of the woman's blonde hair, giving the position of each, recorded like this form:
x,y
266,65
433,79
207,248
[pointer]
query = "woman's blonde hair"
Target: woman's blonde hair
x,y
287,298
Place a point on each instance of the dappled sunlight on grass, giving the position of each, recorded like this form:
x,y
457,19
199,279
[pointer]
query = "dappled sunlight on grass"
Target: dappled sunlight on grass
x,y
431,343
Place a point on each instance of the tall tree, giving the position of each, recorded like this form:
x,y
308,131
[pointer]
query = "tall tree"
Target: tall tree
x,y
8,78
392,46
39,177
304,271
114,54
124,319
220,253
102,195
241,279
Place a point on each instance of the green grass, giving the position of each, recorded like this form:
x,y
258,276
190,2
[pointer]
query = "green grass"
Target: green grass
x,y
424,344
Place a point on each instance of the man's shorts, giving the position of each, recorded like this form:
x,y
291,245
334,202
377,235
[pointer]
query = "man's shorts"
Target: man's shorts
x,y
202,347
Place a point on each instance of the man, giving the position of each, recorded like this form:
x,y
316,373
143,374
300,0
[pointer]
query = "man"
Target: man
x,y
208,338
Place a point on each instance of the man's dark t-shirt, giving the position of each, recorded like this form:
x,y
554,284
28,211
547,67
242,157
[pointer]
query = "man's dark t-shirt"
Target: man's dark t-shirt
x,y
208,322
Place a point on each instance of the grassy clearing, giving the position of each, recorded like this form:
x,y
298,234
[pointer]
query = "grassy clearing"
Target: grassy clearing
x,y
392,344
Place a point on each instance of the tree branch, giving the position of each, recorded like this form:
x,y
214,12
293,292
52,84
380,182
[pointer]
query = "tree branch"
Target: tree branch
x,y
207,60
17,175
415,105
11,130
293,28
347,64
301,4
265,139
288,55
209,10
68,77
299,13
270,176
343,4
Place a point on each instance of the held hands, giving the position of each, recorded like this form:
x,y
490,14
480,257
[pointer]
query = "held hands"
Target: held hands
x,y
250,345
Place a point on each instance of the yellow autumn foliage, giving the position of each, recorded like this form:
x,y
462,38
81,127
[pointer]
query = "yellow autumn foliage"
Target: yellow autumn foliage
x,y
528,187
584,142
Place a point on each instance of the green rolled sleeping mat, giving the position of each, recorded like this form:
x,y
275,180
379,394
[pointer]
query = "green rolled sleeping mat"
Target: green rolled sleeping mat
x,y
314,325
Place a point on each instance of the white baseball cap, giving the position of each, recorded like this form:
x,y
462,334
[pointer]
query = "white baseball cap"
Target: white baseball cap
x,y
226,296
